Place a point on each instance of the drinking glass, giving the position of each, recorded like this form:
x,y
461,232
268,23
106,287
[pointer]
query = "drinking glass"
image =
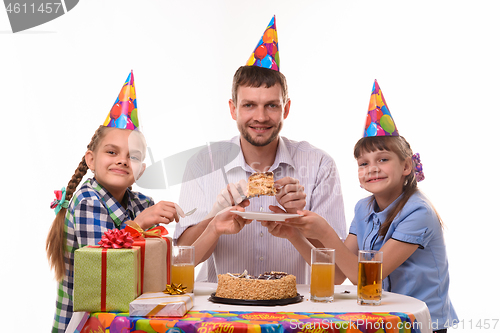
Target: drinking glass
x,y
183,267
322,275
369,277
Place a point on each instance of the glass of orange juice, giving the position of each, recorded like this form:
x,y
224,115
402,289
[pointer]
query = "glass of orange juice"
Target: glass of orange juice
x,y
322,275
183,267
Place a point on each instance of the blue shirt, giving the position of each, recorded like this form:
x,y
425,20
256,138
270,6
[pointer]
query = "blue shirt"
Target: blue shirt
x,y
92,211
424,275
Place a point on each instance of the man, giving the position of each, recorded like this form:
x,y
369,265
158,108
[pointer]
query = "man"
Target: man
x,y
306,176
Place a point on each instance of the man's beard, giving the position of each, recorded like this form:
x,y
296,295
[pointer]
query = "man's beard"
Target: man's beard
x,y
253,142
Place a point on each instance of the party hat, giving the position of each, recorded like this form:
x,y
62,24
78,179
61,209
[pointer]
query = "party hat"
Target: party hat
x,y
123,114
379,120
266,53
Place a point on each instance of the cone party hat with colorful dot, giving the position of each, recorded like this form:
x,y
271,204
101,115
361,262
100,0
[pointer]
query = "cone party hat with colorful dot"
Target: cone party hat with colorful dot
x,y
266,54
123,114
379,121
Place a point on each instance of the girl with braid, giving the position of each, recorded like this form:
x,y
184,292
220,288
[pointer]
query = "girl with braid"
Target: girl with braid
x,y
115,155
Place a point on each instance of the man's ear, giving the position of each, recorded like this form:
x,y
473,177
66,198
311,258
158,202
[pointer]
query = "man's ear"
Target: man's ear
x,y
232,109
89,159
287,109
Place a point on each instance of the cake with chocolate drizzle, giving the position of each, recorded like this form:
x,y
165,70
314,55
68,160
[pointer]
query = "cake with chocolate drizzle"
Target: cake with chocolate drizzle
x,y
267,286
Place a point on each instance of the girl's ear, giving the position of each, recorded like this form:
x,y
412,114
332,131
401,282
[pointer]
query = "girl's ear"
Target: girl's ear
x,y
408,166
89,159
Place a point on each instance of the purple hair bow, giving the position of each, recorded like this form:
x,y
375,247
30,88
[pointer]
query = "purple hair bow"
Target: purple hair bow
x,y
419,171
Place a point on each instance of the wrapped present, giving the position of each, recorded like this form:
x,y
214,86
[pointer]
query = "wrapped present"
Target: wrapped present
x,y
106,278
161,305
77,322
155,256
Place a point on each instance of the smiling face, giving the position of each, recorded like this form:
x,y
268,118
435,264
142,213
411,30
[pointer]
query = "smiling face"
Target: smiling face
x,y
117,160
259,113
383,173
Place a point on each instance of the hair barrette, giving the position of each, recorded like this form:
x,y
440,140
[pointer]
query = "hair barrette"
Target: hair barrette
x,y
417,164
59,202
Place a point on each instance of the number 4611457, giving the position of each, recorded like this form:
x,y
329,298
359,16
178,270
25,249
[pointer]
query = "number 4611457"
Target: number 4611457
x,y
25,8
485,324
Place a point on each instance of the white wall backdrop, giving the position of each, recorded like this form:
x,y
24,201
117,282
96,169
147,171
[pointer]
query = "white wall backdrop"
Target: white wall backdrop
x,y
437,63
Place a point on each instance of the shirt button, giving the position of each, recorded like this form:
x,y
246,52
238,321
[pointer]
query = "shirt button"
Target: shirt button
x,y
261,234
261,258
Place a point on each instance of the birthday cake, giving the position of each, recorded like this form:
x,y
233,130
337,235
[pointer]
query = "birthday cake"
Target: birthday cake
x,y
261,183
267,286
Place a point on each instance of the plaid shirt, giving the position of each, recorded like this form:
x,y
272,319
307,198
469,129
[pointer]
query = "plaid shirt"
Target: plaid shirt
x,y
92,211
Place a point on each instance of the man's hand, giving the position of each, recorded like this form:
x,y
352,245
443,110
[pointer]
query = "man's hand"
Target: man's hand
x,y
232,195
290,195
227,223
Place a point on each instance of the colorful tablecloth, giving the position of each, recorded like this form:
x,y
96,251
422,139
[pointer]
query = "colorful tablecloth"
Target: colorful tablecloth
x,y
260,322
396,314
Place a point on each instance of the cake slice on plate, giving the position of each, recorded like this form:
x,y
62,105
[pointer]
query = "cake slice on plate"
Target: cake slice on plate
x,y
261,183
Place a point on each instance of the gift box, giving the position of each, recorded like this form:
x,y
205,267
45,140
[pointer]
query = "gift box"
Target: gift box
x,y
156,250
169,258
77,322
106,279
153,264
161,305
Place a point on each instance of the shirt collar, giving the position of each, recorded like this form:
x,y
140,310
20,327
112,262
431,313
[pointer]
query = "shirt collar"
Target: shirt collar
x,y
116,211
282,156
380,217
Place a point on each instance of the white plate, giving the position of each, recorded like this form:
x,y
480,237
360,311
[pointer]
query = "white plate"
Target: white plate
x,y
262,216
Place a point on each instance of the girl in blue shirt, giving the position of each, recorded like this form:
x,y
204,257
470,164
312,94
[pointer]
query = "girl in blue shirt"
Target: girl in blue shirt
x,y
396,219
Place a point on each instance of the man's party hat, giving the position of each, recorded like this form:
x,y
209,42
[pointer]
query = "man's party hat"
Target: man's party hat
x,y
379,120
266,54
123,114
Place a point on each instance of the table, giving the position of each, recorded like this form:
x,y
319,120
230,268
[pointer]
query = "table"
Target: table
x,y
397,313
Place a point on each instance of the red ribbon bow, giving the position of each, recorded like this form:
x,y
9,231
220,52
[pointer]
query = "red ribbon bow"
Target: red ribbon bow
x,y
137,232
116,239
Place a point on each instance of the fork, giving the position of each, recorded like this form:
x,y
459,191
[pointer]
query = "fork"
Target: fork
x,y
245,197
190,212
179,211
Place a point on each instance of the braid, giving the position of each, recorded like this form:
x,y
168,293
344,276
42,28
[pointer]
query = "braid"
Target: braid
x,y
56,240
403,150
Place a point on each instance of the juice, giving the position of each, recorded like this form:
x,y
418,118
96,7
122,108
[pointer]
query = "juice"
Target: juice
x,y
322,281
369,282
183,273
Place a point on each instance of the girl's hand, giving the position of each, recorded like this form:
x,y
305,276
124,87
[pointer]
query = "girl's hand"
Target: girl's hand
x,y
162,212
226,222
311,225
281,230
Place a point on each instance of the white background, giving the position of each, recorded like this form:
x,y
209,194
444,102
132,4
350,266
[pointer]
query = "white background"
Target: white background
x,y
437,63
